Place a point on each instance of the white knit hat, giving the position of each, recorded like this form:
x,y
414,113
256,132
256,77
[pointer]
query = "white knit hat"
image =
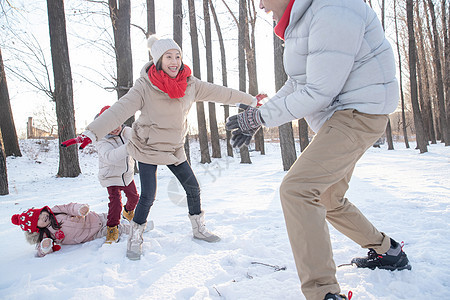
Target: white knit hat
x,y
158,47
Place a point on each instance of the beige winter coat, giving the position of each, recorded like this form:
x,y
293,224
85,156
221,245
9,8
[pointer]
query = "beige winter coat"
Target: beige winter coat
x,y
159,132
115,165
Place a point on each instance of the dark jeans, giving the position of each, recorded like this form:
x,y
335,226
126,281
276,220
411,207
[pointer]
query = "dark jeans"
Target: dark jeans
x,y
184,174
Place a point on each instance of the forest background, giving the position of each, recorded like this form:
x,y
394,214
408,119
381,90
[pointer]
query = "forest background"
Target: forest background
x,y
97,49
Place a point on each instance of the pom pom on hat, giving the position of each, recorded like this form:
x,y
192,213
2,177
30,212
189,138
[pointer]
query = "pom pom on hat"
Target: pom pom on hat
x,y
158,47
151,40
15,219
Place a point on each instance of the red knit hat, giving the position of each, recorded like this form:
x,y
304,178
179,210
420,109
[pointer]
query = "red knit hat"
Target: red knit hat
x,y
28,220
103,109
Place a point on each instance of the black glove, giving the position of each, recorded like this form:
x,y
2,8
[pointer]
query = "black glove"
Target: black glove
x,y
246,124
238,138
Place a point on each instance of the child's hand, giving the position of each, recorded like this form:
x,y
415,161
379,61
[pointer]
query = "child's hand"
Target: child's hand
x,y
84,139
46,245
84,210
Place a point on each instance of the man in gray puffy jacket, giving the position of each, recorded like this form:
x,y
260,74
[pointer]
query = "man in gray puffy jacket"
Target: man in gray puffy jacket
x,y
342,81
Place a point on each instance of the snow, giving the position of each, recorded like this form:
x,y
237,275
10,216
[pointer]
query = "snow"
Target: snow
x,y
404,193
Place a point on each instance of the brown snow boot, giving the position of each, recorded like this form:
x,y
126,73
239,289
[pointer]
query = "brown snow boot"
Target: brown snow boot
x,y
112,235
129,215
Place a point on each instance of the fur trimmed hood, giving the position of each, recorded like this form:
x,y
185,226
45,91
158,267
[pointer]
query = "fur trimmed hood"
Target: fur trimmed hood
x,y
32,238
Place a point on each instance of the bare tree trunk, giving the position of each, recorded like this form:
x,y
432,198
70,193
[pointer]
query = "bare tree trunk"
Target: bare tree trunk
x,y
388,125
120,19
431,79
178,22
4,190
151,18
250,50
389,135
287,142
215,140
421,62
402,97
202,131
224,72
178,38
151,27
424,91
63,95
423,105
420,136
446,29
245,155
439,79
7,127
303,134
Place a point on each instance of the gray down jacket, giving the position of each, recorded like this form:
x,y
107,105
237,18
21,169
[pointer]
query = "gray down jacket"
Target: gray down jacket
x,y
337,57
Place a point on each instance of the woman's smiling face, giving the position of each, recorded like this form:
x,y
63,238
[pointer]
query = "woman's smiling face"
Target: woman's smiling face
x,y
171,62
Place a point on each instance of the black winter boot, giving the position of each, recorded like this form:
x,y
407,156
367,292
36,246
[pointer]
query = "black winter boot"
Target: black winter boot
x,y
330,296
393,259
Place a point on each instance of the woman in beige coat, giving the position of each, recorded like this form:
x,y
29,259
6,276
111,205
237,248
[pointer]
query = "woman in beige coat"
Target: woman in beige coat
x,y
163,94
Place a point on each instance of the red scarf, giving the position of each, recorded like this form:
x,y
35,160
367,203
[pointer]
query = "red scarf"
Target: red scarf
x,y
174,87
284,21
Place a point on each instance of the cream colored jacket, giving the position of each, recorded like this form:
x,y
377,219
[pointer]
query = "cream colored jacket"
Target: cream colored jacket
x,y
159,132
115,165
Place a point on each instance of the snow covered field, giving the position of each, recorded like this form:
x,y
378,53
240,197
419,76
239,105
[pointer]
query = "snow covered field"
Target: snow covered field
x,y
404,193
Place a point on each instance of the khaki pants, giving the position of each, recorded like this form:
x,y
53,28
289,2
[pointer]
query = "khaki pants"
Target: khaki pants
x,y
313,191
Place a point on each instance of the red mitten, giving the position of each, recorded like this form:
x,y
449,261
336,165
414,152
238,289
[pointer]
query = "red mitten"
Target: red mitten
x,y
81,139
56,248
59,235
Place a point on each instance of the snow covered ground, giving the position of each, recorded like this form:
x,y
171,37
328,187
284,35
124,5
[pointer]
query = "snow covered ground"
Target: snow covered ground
x,y
404,193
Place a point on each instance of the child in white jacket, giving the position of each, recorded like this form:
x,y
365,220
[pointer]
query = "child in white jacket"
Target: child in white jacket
x,y
116,173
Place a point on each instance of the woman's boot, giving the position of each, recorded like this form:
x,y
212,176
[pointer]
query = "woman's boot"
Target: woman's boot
x,y
199,228
135,240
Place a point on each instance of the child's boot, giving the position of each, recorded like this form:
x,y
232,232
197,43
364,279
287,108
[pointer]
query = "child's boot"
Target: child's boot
x,y
127,214
112,234
135,240
199,228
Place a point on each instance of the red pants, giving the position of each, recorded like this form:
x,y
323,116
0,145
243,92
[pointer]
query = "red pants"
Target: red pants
x,y
115,201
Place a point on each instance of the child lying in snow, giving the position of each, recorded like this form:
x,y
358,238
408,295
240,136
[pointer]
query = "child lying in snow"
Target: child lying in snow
x,y
66,224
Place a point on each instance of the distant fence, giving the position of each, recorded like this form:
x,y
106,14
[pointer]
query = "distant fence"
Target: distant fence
x,y
37,133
